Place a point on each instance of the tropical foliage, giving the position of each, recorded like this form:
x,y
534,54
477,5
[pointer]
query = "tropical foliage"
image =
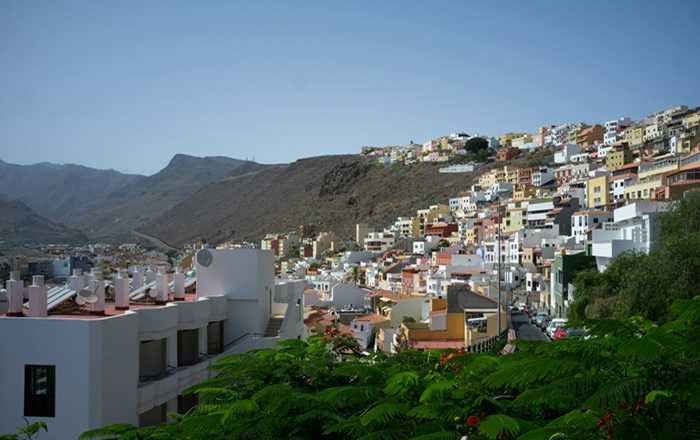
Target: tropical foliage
x,y
629,379
647,285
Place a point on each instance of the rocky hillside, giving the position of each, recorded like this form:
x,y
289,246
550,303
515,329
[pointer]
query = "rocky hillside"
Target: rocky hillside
x,y
58,191
146,199
332,192
106,204
19,224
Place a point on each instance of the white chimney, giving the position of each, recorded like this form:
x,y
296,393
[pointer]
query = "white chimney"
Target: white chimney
x,y
98,285
15,294
121,291
38,300
77,280
161,287
137,280
179,284
150,275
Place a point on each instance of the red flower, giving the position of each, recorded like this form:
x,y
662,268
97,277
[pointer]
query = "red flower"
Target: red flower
x,y
472,420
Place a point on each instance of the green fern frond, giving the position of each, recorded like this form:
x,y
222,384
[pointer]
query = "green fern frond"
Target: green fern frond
x,y
523,372
401,383
383,413
350,395
499,426
436,391
115,431
611,394
439,435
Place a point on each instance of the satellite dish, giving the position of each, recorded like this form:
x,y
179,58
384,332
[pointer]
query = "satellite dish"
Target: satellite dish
x,y
152,292
86,295
204,257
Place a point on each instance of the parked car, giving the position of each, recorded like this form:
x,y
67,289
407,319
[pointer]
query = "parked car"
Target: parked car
x,y
560,333
545,322
540,318
555,324
515,310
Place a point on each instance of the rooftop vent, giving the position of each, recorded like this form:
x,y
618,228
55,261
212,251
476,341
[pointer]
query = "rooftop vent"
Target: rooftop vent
x,y
121,290
15,294
38,300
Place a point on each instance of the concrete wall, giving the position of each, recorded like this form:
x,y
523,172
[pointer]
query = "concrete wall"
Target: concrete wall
x,y
96,371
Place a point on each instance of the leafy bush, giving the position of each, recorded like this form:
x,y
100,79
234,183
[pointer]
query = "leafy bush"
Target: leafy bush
x,y
647,285
628,379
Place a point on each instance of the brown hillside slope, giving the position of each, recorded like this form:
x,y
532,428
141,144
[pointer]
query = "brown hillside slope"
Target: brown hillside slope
x,y
332,192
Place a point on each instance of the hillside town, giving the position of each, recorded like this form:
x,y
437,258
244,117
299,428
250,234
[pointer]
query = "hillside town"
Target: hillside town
x,y
515,236
489,265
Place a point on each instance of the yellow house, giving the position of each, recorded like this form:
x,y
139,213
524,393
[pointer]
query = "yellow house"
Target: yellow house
x,y
515,218
523,192
463,319
507,139
644,188
635,136
617,158
597,191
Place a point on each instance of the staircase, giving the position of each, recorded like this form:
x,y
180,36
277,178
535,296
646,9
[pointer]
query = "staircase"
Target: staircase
x,y
273,327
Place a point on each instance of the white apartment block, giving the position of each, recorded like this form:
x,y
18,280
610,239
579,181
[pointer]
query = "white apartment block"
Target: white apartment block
x,y
635,227
379,241
582,222
130,361
542,176
615,129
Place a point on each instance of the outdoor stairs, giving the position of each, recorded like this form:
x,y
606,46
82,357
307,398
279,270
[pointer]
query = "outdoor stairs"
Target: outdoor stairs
x,y
273,327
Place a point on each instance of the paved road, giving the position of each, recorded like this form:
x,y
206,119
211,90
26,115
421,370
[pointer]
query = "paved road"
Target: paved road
x,y
525,330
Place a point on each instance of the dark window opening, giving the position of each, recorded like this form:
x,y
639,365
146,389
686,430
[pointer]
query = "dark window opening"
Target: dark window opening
x,y
215,337
39,391
187,347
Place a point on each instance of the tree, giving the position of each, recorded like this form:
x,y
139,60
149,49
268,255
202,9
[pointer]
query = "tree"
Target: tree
x,y
476,145
646,285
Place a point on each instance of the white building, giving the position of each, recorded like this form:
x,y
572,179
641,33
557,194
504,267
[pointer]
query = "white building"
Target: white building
x,y
565,152
379,241
584,221
615,130
636,227
78,371
542,176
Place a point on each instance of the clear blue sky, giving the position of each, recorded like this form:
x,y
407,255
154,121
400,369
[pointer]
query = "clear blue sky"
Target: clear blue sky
x,y
125,85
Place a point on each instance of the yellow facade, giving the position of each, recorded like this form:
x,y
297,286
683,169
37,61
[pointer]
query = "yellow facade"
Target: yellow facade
x,y
514,219
616,159
643,189
597,192
523,192
692,121
635,136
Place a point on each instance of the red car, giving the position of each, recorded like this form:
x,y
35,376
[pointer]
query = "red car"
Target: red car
x,y
559,333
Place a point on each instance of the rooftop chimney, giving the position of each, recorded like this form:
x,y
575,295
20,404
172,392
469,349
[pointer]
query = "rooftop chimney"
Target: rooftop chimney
x,y
98,286
179,284
121,290
150,275
15,294
77,280
38,300
137,280
161,287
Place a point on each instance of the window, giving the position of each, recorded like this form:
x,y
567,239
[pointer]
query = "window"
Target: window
x,y
215,337
39,391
